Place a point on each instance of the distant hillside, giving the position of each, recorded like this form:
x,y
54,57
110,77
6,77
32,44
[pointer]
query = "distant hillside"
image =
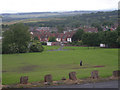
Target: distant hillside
x,y
98,18
7,17
63,19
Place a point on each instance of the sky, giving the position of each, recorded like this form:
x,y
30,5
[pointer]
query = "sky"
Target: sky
x,y
17,6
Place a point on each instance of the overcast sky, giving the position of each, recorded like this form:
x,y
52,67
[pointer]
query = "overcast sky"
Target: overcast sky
x,y
13,6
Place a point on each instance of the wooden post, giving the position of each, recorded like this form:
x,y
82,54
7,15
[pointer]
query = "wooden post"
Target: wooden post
x,y
72,76
48,78
94,74
116,73
24,80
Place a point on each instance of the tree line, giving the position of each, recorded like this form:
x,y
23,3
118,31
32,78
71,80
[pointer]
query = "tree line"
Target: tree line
x,y
109,38
17,39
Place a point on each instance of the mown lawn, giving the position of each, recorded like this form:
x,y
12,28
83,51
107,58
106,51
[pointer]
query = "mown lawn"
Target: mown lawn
x,y
58,63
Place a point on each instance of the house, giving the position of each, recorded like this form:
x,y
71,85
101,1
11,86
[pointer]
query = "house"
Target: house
x,y
44,35
91,29
49,43
69,39
55,43
52,43
43,29
59,37
65,37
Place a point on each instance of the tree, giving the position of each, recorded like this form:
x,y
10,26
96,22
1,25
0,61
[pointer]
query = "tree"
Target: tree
x,y
96,25
36,47
78,35
36,38
107,23
111,38
118,41
118,30
60,29
52,39
90,39
16,39
102,37
85,38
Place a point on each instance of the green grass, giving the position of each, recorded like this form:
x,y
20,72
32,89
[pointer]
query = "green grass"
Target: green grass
x,y
58,63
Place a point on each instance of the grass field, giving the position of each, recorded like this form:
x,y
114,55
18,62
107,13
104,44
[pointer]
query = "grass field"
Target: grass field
x,y
32,20
59,63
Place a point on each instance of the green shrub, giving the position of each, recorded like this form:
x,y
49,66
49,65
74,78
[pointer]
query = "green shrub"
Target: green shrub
x,y
36,47
9,48
75,43
23,49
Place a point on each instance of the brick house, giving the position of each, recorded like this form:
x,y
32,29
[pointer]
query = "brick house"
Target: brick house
x,y
91,29
44,36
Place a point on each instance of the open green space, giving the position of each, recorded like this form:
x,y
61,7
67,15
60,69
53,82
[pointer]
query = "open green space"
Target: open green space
x,y
58,63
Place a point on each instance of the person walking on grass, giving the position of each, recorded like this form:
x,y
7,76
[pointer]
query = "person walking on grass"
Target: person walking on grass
x,y
80,62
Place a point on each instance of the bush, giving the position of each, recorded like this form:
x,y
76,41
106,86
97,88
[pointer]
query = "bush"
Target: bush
x,y
36,47
9,48
75,43
23,49
79,43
